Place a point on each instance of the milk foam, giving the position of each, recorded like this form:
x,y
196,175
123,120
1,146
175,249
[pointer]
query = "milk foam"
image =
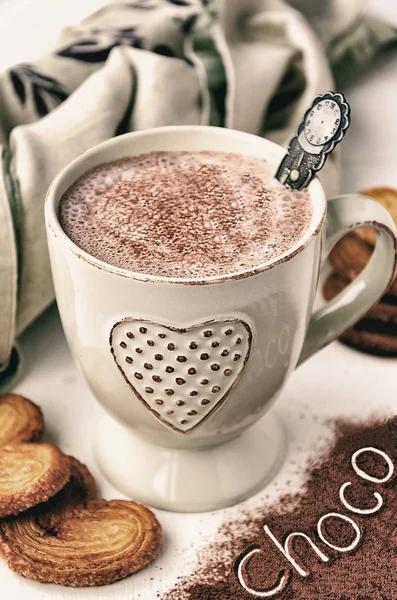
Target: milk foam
x,y
184,214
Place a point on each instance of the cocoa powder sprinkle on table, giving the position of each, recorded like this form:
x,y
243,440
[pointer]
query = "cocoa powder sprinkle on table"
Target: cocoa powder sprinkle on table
x,y
366,572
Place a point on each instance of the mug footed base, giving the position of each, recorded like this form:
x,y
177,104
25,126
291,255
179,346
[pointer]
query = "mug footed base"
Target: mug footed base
x,y
191,480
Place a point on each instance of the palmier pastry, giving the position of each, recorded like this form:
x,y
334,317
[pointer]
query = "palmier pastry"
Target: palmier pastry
x,y
376,332
386,196
80,488
351,254
20,420
30,474
76,541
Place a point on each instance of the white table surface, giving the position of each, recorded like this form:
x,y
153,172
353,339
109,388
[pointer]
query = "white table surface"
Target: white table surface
x,y
336,382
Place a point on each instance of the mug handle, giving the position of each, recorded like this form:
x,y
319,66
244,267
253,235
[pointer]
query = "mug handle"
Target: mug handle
x,y
346,213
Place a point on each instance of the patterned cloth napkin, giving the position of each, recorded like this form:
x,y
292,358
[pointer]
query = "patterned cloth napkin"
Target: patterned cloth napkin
x,y
253,65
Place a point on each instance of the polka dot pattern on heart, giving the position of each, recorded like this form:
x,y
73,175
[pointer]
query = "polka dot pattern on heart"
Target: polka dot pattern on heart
x,y
181,375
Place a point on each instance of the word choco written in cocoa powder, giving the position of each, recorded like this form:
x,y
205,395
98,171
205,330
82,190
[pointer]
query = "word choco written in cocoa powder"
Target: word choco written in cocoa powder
x,y
282,579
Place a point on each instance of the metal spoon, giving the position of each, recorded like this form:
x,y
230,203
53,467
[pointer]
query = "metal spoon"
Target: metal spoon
x,y
323,127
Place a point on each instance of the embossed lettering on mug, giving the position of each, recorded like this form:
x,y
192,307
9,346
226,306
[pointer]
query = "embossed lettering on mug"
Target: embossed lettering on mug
x,y
181,375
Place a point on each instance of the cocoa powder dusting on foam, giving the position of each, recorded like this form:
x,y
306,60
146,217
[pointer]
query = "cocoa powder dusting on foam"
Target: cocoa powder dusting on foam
x,y
184,215
366,572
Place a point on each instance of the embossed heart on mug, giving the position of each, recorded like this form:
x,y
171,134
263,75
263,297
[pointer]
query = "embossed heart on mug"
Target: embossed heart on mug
x,y
182,375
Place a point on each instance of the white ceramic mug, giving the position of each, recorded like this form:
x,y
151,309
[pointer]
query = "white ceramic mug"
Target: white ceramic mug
x,y
185,367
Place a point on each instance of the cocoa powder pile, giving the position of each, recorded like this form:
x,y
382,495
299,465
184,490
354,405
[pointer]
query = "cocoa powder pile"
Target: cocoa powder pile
x,y
357,560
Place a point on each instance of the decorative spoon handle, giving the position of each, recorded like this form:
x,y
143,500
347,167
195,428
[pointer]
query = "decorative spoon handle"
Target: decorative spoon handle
x,y
323,127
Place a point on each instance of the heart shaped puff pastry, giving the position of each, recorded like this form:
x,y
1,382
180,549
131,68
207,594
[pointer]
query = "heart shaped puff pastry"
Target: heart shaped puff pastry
x,y
77,541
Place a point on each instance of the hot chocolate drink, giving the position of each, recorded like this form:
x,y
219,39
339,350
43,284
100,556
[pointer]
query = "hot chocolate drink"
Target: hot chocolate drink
x,y
184,214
